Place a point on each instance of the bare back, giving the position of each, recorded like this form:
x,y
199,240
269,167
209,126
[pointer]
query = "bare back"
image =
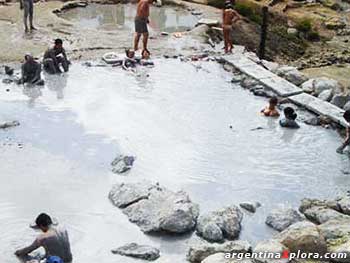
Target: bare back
x,y
143,9
229,15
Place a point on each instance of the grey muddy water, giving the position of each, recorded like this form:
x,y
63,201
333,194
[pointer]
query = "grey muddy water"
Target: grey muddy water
x,y
121,17
175,118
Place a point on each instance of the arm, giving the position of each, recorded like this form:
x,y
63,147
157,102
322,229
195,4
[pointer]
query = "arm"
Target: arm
x,y
24,75
25,251
37,74
236,16
21,6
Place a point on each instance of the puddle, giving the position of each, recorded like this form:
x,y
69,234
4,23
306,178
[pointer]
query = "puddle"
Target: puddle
x,y
177,123
121,17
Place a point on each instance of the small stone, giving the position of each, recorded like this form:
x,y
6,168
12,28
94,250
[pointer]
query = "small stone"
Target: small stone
x,y
326,95
251,207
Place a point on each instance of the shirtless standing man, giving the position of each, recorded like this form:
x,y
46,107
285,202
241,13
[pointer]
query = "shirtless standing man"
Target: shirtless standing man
x,y
229,17
141,21
28,9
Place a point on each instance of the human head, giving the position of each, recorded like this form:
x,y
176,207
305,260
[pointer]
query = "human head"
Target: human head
x,y
290,113
43,222
130,53
347,115
273,102
28,57
145,54
58,43
229,4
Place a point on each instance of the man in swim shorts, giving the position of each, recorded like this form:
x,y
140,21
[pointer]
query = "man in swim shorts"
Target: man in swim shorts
x,y
28,8
229,17
141,21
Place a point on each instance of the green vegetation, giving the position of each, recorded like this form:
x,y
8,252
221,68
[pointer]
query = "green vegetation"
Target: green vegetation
x,y
249,12
304,26
217,3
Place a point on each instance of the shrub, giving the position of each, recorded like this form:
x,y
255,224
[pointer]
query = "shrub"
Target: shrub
x,y
248,12
304,26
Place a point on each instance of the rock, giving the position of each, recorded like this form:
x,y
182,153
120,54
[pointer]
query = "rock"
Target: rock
x,y
326,95
237,78
249,206
196,12
73,4
270,246
272,66
308,86
221,258
321,214
344,204
227,220
208,22
347,106
342,249
138,251
308,203
280,219
122,164
156,209
201,249
340,100
9,124
123,195
249,83
291,74
314,121
303,236
7,81
335,23
9,71
292,31
336,229
322,84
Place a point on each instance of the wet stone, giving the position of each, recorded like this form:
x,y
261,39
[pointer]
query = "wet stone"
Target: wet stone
x,y
138,251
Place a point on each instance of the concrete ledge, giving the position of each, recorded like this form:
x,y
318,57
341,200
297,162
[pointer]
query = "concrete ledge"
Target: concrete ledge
x,y
320,107
277,84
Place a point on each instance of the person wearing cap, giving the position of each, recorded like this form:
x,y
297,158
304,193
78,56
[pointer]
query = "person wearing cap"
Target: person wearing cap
x,y
28,9
56,57
229,17
31,71
54,240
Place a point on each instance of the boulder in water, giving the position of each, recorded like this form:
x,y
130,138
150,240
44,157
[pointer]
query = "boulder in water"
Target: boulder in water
x,y
250,206
122,164
138,251
280,219
9,124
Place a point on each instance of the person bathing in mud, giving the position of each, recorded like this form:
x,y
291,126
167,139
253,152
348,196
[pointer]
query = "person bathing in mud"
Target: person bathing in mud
x,y
130,61
54,240
56,57
145,58
31,71
347,138
289,120
271,109
28,13
141,21
229,17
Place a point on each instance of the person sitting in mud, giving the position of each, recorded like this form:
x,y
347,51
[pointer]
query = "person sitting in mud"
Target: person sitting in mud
x,y
271,110
31,71
54,240
347,138
28,9
289,119
145,58
56,57
229,17
130,62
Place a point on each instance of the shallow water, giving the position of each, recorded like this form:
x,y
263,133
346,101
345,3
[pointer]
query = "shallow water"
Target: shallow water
x,y
121,17
177,124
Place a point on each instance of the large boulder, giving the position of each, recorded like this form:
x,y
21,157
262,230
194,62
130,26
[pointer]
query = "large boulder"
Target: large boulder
x,y
342,250
303,236
270,246
156,209
340,100
218,225
202,249
308,86
280,219
291,74
336,229
326,95
322,84
138,251
344,204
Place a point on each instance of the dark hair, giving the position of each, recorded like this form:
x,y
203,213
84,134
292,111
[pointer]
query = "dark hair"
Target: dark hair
x,y
290,113
145,51
347,115
273,100
43,220
58,41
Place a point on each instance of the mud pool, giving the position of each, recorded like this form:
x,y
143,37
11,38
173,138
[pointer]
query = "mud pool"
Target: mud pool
x,y
176,121
121,17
